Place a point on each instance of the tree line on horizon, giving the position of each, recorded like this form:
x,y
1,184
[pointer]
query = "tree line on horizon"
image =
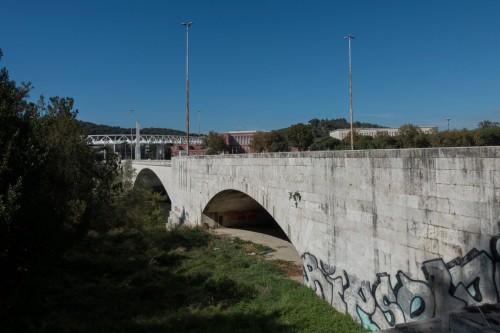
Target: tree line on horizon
x,y
315,136
98,129
320,128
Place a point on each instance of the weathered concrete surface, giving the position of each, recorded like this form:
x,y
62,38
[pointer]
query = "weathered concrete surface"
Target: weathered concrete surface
x,y
389,236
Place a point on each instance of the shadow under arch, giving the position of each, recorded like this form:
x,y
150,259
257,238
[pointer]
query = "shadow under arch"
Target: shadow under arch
x,y
235,209
148,180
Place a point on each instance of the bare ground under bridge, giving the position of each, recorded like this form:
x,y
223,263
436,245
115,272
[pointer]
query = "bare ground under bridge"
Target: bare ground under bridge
x,y
284,250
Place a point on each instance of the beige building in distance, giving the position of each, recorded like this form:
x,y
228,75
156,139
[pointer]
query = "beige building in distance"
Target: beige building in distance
x,y
342,133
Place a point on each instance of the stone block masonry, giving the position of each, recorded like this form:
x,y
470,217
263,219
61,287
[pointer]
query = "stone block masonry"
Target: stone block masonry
x,y
388,236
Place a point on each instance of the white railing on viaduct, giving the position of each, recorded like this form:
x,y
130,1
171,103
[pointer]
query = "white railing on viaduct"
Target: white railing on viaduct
x,y
115,139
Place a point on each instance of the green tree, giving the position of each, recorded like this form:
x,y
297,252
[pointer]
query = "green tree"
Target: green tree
x,y
139,205
488,124
325,143
18,163
68,162
383,140
277,142
259,142
407,134
214,143
300,136
453,138
316,128
155,214
364,142
360,141
323,127
52,189
489,136
411,136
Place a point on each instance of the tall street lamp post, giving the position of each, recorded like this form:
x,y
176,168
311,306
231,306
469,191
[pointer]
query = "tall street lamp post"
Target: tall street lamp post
x,y
131,135
349,37
187,25
448,119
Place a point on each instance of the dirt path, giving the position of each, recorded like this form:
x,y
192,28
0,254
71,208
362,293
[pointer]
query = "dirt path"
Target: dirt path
x,y
284,250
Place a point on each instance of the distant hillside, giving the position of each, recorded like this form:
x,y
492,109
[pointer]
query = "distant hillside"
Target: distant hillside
x,y
94,129
320,127
323,127
162,131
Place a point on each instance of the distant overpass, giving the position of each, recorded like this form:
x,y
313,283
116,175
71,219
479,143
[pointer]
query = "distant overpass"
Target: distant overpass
x,y
116,139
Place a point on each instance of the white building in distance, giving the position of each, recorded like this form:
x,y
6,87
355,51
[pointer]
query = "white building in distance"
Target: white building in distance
x,y
342,133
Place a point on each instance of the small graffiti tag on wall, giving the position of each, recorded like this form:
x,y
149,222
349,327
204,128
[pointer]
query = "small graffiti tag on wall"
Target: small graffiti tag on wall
x,y
458,283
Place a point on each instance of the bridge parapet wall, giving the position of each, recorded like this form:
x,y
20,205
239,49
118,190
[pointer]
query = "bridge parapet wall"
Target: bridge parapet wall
x,y
389,236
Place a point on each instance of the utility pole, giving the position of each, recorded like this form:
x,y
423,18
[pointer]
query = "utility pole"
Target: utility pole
x,y
131,135
349,37
187,25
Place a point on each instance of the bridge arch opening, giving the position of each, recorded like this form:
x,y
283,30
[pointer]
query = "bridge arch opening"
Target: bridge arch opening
x,y
148,180
235,209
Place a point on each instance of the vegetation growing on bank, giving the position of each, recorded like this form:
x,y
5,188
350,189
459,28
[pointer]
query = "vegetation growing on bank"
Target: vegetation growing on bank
x,y
54,188
150,280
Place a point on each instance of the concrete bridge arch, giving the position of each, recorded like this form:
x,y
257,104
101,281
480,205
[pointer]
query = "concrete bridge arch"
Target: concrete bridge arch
x,y
156,174
233,208
388,236
224,198
150,178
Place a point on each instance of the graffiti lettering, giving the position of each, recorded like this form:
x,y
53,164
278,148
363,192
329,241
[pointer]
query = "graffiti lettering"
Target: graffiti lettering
x,y
458,283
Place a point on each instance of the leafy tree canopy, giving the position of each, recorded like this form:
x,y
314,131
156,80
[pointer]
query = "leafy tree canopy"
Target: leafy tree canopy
x,y
277,142
323,127
488,124
325,143
300,136
259,142
489,136
271,142
51,188
214,143
411,136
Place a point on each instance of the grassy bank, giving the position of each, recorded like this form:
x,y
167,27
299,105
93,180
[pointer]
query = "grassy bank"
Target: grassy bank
x,y
187,280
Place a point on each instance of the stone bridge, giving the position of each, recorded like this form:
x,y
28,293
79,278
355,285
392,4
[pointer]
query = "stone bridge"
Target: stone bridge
x,y
388,236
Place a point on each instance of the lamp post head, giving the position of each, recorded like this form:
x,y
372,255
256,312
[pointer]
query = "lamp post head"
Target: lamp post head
x,y
349,37
186,24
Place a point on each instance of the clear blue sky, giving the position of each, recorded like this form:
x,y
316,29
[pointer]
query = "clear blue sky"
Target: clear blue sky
x,y
259,65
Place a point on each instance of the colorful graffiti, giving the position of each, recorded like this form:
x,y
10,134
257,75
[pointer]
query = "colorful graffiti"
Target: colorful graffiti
x,y
458,283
